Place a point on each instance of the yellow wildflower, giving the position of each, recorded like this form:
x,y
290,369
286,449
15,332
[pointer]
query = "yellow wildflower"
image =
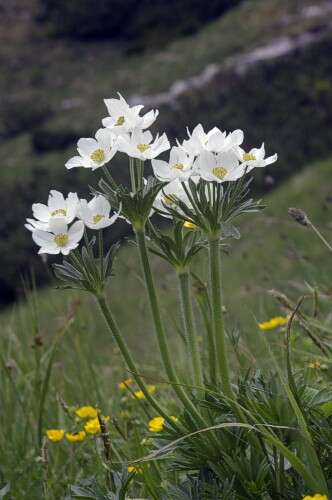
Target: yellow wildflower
x,y
92,426
175,419
140,394
318,496
190,225
55,435
124,385
135,469
75,437
273,323
156,424
86,412
315,364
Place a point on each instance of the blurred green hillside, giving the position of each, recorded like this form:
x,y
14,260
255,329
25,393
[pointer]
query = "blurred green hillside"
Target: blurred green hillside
x,y
264,66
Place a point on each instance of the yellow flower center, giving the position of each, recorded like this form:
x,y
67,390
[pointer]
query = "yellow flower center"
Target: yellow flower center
x,y
61,239
120,121
59,211
143,147
249,157
179,166
98,155
97,218
219,172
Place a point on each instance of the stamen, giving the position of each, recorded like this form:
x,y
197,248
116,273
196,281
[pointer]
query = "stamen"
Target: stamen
x,y
219,172
120,121
61,239
249,157
98,155
59,211
143,147
179,166
97,218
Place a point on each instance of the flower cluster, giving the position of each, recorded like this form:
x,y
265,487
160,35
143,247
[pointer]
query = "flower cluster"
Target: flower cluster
x,y
91,426
50,226
214,156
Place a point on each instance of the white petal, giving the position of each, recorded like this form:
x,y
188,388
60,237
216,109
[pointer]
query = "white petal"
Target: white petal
x,y
86,146
58,225
75,161
75,232
42,238
41,212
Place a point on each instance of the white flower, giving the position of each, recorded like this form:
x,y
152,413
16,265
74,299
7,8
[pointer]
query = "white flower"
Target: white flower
x,y
125,119
255,158
96,213
59,239
219,167
139,145
178,166
169,195
57,208
96,152
215,140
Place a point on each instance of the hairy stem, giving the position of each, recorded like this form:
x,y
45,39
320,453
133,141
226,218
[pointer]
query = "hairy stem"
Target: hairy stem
x,y
189,327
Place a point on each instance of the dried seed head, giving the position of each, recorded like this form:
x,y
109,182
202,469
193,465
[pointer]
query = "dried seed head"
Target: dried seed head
x,y
299,216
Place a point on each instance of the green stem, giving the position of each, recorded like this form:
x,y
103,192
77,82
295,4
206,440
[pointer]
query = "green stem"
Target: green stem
x,y
160,332
217,316
189,327
101,253
140,173
132,174
203,303
114,329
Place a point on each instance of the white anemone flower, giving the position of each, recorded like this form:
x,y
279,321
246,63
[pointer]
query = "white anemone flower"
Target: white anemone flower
x,y
96,152
255,158
59,239
139,145
125,119
169,195
179,165
96,213
58,207
220,167
215,140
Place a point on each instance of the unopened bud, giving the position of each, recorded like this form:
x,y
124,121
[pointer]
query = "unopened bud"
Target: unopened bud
x,y
299,216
